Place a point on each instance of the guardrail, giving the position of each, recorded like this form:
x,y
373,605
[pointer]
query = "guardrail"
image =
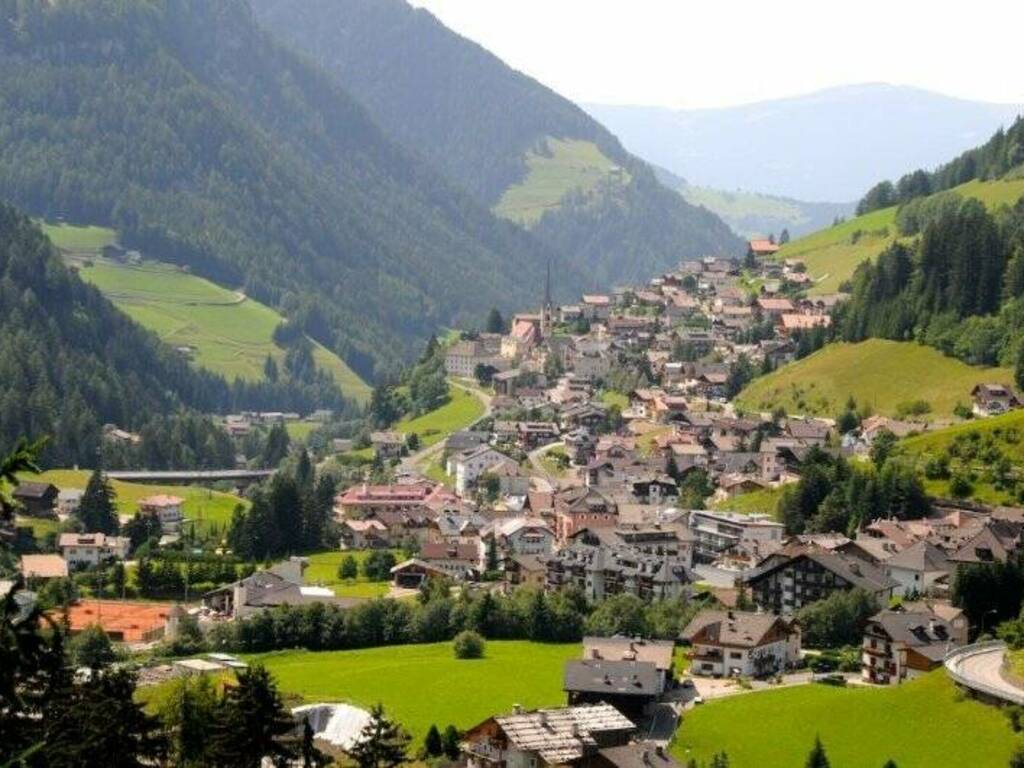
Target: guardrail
x,y
953,662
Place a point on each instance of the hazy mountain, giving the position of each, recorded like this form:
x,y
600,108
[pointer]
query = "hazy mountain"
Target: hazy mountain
x,y
514,144
185,126
751,214
829,145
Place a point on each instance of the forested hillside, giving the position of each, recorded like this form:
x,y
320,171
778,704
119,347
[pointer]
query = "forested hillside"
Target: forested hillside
x,y
484,126
185,127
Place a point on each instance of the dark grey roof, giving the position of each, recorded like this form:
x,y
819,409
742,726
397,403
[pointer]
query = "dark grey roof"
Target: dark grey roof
x,y
615,678
636,756
915,630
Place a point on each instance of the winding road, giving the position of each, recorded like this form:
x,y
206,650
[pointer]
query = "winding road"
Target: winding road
x,y
414,462
979,667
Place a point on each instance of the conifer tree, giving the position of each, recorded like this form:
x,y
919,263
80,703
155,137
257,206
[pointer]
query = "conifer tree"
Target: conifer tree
x,y
381,743
432,743
97,509
817,758
252,723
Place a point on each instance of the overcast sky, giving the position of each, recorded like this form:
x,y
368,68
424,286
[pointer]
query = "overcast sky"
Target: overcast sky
x,y
710,53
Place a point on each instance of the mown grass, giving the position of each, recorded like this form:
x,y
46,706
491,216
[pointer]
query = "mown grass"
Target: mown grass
x,y
70,237
424,684
610,397
1005,433
300,430
756,502
323,571
881,375
461,410
920,724
205,506
569,165
832,254
229,334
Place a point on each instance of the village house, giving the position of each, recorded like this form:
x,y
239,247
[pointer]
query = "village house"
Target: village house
x,y
458,562
546,738
387,445
716,532
763,248
468,466
741,644
660,653
524,570
993,399
798,575
364,534
68,502
463,357
919,570
520,536
596,307
628,685
361,501
167,508
281,584
577,508
83,550
900,645
36,499
600,570
43,567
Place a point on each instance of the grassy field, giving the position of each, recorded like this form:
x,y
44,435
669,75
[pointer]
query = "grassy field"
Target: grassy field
x,y
69,237
300,430
461,410
610,397
919,724
879,374
323,571
424,684
228,333
568,165
832,254
201,504
1005,433
749,503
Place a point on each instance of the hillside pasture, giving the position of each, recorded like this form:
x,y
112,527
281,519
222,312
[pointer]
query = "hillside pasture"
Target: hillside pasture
x,y
71,237
461,410
919,724
225,331
881,376
207,507
424,684
974,447
554,169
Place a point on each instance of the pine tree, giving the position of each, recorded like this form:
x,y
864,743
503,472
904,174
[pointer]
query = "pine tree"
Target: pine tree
x,y
451,742
252,723
492,554
97,509
432,743
495,322
311,756
817,758
381,743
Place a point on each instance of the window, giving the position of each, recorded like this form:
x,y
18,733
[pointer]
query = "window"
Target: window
x,y
735,655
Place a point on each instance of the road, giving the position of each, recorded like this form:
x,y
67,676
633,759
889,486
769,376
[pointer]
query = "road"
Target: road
x,y
412,463
980,668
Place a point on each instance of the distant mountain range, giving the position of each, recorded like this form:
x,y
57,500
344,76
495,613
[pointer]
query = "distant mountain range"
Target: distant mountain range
x,y
516,146
831,145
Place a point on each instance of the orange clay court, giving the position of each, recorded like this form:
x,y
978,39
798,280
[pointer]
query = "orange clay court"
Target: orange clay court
x,y
122,621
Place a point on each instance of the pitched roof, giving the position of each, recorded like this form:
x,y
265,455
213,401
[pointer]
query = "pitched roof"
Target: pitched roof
x,y
612,678
738,629
920,556
43,566
562,735
28,490
657,652
642,755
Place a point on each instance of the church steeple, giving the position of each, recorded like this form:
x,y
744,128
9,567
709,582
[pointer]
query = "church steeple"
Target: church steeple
x,y
547,311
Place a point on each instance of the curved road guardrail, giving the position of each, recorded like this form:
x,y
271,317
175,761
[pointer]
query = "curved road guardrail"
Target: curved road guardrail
x,y
979,668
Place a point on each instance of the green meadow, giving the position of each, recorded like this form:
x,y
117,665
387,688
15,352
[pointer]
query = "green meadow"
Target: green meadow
x,y
832,254
228,333
1004,433
881,375
205,506
461,410
323,571
756,502
553,171
919,724
424,684
69,237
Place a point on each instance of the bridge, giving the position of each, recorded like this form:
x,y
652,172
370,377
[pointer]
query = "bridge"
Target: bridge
x,y
189,477
981,668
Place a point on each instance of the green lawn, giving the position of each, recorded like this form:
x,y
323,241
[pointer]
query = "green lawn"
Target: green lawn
x,y
41,526
832,254
201,504
323,571
69,237
1005,432
300,430
424,684
749,503
461,410
919,724
879,374
569,165
610,397
229,333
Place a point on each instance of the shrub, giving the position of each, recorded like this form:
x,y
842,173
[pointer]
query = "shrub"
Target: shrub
x,y
348,568
468,645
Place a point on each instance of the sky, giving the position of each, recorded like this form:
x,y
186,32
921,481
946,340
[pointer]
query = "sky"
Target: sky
x,y
713,53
